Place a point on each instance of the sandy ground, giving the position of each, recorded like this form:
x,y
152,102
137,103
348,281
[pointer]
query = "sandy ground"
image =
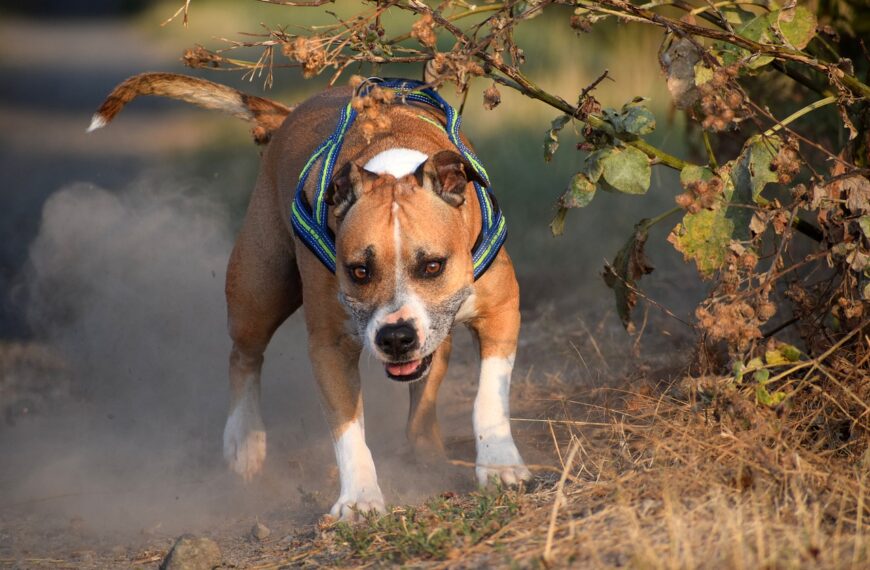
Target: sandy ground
x,y
73,512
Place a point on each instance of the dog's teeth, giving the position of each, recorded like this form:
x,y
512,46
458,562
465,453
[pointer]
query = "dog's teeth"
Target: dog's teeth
x,y
97,122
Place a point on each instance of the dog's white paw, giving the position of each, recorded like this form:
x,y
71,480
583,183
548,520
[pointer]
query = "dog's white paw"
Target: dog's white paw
x,y
350,507
245,443
501,463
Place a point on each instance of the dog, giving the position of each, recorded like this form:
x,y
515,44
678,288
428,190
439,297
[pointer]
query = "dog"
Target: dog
x,y
405,211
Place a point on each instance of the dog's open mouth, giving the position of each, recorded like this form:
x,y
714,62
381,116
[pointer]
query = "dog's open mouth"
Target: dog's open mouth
x,y
408,371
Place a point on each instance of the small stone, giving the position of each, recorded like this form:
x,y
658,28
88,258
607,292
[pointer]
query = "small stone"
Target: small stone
x,y
260,531
192,553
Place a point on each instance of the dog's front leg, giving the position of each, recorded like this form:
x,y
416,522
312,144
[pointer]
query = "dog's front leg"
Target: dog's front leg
x,y
337,373
497,456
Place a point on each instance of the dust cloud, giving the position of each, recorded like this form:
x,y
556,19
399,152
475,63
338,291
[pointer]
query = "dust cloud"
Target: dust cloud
x,y
124,293
126,289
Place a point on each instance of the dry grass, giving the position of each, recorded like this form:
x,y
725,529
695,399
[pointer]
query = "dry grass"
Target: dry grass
x,y
691,473
694,475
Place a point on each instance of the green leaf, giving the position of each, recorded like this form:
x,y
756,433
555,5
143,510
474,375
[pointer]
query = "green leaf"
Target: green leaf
x,y
761,376
703,74
593,166
627,170
551,140
692,173
757,30
636,119
753,165
782,354
790,352
764,397
703,237
864,224
736,15
633,120
797,26
581,189
629,265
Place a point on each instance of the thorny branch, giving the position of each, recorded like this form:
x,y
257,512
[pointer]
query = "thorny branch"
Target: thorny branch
x,y
459,42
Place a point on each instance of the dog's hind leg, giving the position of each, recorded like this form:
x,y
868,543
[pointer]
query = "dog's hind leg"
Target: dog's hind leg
x,y
423,431
263,288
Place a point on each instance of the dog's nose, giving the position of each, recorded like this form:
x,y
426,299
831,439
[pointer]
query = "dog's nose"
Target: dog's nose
x,y
397,340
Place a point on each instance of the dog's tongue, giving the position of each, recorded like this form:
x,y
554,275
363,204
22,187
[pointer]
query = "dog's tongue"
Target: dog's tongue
x,y
404,368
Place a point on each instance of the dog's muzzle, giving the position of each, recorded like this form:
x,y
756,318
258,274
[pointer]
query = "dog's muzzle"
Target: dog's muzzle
x,y
398,342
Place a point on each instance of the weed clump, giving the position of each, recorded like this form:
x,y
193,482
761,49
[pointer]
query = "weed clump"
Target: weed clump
x,y
440,529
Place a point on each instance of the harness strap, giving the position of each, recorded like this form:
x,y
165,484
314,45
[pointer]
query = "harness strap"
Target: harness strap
x,y
310,223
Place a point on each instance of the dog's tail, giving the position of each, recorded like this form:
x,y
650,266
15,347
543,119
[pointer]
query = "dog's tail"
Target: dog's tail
x,y
266,115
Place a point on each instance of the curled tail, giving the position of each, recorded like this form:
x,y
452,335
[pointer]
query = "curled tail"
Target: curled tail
x,y
266,115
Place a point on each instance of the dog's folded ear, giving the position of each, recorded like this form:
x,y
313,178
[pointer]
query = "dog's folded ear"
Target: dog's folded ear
x,y
447,173
346,186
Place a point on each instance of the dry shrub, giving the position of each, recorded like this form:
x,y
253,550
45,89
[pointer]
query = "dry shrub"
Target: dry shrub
x,y
688,475
699,477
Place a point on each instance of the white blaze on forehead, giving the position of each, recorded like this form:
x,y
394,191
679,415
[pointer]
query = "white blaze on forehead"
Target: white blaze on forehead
x,y
397,245
405,304
396,162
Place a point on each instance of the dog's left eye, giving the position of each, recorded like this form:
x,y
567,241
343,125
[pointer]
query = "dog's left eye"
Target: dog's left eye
x,y
359,273
432,268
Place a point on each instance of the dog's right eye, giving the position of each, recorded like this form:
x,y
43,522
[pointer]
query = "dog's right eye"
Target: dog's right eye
x,y
359,273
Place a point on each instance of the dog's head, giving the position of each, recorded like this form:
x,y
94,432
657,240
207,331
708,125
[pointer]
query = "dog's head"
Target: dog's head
x,y
403,246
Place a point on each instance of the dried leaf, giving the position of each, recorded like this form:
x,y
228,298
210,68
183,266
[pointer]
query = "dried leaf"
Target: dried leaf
x,y
856,190
629,265
424,31
551,140
492,98
758,223
557,226
679,62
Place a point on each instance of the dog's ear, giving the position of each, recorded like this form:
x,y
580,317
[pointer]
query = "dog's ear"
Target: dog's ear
x,y
446,173
346,186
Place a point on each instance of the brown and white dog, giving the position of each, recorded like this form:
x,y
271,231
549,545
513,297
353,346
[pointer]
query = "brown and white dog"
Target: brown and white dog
x,y
405,217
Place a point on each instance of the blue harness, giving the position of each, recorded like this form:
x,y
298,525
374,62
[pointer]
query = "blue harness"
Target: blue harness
x,y
310,222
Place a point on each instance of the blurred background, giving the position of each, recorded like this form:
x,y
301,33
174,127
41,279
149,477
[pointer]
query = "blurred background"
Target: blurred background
x,y
113,247
61,58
